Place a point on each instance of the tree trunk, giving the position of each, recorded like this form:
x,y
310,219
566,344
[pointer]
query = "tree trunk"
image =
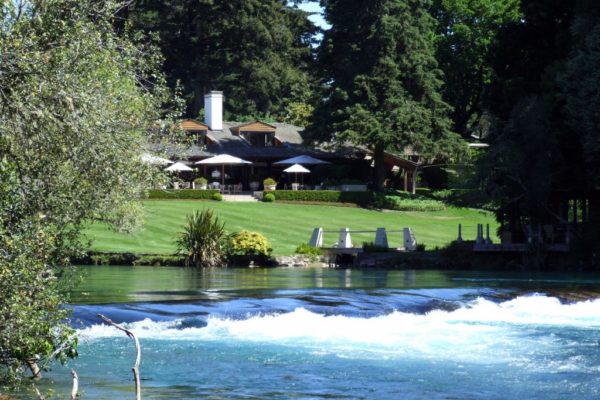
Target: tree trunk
x,y
379,170
35,369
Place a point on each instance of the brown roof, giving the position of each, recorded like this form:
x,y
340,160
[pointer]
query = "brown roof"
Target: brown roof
x,y
256,126
193,125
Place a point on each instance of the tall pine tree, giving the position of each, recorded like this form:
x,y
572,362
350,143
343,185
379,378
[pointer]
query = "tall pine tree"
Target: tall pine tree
x,y
383,81
258,52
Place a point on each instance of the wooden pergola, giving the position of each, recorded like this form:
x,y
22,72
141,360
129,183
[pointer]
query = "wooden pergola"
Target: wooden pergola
x,y
409,167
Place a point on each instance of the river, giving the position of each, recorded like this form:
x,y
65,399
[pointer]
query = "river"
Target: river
x,y
312,333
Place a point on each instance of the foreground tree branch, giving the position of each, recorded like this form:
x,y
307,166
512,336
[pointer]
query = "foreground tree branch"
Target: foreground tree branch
x,y
35,369
75,388
136,366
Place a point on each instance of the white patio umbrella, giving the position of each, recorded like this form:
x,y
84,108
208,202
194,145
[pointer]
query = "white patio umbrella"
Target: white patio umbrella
x,y
178,167
296,169
306,160
154,160
223,159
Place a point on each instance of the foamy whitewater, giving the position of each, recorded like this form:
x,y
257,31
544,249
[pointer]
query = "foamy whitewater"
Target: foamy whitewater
x,y
481,331
463,342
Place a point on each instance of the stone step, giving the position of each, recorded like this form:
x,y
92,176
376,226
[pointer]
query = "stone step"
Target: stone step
x,y
239,197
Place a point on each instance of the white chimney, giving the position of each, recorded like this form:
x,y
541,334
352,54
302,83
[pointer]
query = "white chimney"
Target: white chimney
x,y
213,110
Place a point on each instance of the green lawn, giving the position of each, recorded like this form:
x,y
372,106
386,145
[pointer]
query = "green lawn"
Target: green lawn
x,y
287,225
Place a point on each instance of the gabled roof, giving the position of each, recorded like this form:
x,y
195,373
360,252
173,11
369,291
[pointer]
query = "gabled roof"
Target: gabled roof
x,y
225,141
192,125
393,159
256,126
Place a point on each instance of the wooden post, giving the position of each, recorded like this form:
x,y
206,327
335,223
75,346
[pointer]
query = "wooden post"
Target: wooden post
x,y
414,181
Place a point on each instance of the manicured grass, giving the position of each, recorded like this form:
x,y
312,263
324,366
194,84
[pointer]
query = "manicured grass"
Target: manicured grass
x,y
288,225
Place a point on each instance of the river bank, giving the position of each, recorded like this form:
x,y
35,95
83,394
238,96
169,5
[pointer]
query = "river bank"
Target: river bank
x,y
454,257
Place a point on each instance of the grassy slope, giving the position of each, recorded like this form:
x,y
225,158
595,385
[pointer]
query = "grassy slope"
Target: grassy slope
x,y
287,225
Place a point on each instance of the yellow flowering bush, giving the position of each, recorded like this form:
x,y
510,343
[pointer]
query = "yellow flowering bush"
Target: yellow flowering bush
x,y
245,243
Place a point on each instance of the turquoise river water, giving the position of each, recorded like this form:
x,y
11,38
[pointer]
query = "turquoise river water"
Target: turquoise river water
x,y
310,333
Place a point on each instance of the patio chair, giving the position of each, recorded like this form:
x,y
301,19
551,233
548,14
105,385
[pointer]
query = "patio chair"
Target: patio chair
x,y
237,188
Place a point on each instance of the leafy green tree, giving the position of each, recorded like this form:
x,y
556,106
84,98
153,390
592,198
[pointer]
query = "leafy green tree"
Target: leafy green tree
x,y
75,103
467,31
545,96
33,327
258,52
384,82
580,85
528,54
523,182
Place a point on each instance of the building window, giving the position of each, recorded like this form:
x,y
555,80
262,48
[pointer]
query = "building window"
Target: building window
x,y
199,138
260,139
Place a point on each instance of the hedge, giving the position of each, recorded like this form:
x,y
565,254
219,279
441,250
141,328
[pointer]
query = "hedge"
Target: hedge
x,y
100,258
461,197
328,196
188,194
407,202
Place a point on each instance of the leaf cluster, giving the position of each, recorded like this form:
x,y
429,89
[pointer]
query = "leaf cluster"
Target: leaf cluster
x,y
75,103
33,322
202,240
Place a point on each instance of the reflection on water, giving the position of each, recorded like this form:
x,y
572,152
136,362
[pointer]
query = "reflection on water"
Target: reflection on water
x,y
124,284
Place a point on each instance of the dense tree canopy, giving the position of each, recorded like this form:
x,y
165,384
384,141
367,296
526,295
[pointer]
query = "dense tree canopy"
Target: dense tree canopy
x,y
384,84
75,102
467,32
545,96
580,86
258,52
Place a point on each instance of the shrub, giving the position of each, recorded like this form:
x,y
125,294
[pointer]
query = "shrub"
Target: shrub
x,y
370,247
201,181
217,196
127,217
202,240
269,182
269,198
402,201
246,243
159,260
461,197
313,252
328,196
182,194
352,182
